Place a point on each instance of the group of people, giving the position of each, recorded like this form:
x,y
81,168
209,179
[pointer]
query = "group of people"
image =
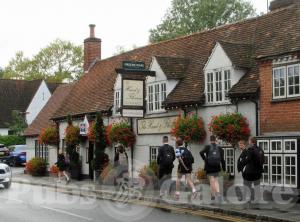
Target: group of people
x,y
250,163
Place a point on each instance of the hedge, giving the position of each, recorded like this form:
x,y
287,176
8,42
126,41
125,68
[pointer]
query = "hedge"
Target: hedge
x,y
12,140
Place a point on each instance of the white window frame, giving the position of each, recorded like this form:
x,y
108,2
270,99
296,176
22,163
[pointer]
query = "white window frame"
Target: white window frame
x,y
276,151
276,165
267,172
211,86
264,141
296,171
290,140
153,155
156,98
273,83
117,102
287,80
229,159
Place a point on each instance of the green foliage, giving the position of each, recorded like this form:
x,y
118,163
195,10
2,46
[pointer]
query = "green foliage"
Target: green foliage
x,y
190,16
12,140
230,127
59,61
1,73
36,166
49,136
121,133
18,123
100,143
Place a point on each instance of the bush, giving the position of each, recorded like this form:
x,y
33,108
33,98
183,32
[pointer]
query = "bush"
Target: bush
x,y
54,170
12,140
201,174
149,173
36,166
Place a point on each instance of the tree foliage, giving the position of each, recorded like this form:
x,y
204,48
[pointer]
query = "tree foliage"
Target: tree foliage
x,y
57,62
188,16
18,123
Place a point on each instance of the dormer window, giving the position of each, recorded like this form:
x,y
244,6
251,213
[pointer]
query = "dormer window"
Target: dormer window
x,y
117,103
156,96
218,83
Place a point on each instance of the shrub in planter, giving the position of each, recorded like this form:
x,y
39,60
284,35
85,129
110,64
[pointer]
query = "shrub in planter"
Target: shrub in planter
x,y
49,136
36,166
201,174
121,133
149,174
189,128
54,170
230,127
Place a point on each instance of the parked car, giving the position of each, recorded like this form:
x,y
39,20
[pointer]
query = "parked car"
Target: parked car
x,y
17,155
5,175
4,154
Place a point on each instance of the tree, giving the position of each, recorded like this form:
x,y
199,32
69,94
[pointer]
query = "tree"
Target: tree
x,y
18,124
189,16
57,62
1,73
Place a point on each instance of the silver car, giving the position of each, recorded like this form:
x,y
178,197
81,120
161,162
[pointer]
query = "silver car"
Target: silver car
x,y
5,175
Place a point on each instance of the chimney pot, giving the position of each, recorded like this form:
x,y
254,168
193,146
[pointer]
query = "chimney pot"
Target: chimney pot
x,y
92,30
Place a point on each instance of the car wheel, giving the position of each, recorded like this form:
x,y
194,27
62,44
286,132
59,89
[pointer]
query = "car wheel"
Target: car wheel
x,y
7,185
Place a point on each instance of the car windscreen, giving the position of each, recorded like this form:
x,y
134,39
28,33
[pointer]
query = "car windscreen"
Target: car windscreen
x,y
2,171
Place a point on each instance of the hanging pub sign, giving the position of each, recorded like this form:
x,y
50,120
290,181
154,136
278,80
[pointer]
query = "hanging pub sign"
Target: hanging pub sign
x,y
133,75
83,126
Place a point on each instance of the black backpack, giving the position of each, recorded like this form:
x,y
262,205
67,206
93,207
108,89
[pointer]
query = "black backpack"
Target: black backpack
x,y
214,156
167,156
259,157
186,156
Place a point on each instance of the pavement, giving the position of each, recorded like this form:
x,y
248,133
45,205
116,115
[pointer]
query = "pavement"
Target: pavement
x,y
230,210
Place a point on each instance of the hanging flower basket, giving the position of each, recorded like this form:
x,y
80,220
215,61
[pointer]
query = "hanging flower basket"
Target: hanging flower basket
x,y
230,127
190,129
91,132
72,135
121,133
49,136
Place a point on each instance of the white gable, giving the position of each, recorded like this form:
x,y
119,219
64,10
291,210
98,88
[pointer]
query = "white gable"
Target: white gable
x,y
118,82
159,75
218,59
39,100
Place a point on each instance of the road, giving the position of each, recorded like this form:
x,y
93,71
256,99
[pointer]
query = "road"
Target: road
x,y
26,203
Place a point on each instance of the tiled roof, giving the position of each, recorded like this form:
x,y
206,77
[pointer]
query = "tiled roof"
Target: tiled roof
x,y
277,32
241,55
43,118
52,86
173,67
15,95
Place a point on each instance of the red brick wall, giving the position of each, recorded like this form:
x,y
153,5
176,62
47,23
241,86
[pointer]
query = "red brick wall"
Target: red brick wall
x,y
279,116
92,50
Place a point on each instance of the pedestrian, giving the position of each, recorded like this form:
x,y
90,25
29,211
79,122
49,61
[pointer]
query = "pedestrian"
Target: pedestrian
x,y
121,163
186,160
165,159
251,163
62,165
213,157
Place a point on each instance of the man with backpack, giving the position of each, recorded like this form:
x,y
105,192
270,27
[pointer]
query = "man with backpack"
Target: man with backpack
x,y
251,163
165,159
213,157
185,168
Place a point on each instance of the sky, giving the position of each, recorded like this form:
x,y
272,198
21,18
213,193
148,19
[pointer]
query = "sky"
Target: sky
x,y
29,25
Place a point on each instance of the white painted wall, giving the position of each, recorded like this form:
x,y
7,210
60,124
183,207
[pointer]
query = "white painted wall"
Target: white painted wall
x,y
4,131
30,142
39,100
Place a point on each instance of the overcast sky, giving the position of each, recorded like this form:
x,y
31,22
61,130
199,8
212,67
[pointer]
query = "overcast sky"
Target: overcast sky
x,y
28,25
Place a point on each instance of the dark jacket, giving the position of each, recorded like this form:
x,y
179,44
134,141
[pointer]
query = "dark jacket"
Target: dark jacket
x,y
252,170
207,168
61,162
166,148
242,161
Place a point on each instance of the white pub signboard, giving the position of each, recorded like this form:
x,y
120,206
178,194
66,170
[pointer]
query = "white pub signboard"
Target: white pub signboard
x,y
133,93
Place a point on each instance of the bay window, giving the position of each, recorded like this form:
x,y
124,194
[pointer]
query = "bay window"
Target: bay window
x,y
218,83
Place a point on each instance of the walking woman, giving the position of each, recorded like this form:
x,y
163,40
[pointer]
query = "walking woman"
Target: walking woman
x,y
61,164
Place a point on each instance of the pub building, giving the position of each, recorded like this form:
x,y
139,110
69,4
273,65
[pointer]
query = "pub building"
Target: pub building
x,y
250,67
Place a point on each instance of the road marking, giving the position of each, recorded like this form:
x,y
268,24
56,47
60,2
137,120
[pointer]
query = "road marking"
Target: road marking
x,y
11,199
67,213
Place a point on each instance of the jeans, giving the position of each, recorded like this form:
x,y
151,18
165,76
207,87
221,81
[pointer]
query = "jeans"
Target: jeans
x,y
255,194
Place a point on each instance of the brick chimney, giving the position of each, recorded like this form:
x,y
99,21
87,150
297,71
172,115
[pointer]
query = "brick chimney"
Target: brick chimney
x,y
92,48
277,4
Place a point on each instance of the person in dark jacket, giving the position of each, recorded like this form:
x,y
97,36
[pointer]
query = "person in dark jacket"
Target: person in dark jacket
x,y
251,171
61,164
165,159
213,157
